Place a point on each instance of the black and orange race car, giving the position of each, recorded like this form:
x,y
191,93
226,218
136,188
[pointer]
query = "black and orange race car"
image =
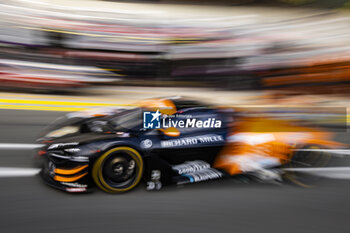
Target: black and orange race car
x,y
173,141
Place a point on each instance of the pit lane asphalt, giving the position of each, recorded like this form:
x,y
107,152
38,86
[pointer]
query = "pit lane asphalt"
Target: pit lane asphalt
x,y
27,205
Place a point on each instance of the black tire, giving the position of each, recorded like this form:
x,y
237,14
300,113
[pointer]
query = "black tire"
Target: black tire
x,y
118,170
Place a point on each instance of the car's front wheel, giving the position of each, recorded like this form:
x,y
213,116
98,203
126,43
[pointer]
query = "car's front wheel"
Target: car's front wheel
x,y
118,170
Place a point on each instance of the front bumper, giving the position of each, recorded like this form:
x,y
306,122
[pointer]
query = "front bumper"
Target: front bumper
x,y
65,174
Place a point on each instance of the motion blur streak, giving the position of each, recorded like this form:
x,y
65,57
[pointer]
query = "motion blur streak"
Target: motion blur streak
x,y
19,146
282,59
17,172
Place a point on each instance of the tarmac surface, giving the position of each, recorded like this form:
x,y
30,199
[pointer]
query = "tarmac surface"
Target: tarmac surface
x,y
27,205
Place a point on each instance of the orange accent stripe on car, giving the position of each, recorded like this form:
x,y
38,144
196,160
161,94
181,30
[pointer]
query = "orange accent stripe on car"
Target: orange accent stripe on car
x,y
69,179
70,171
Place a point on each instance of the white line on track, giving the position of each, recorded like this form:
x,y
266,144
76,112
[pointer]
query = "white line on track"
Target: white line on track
x,y
329,172
19,146
333,151
18,172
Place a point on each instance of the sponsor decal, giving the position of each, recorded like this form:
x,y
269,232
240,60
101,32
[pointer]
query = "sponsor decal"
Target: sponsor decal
x,y
191,166
203,139
75,185
75,190
196,171
155,120
146,144
154,183
58,145
202,175
155,175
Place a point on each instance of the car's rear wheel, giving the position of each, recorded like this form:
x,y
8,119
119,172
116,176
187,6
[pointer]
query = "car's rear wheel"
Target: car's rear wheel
x,y
314,157
118,170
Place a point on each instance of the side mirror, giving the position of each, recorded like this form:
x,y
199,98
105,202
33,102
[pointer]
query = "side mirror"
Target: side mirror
x,y
170,132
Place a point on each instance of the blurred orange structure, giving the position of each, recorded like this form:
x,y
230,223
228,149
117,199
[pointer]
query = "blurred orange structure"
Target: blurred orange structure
x,y
261,142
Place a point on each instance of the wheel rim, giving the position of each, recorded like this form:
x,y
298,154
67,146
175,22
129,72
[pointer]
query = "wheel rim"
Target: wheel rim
x,y
118,170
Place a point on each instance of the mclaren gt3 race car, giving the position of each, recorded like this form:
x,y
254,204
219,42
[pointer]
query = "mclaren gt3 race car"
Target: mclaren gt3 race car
x,y
174,141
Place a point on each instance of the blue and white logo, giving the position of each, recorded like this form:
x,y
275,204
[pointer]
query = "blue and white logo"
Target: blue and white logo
x,y
151,120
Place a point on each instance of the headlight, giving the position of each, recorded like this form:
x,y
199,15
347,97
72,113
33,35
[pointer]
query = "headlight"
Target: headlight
x,y
63,131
